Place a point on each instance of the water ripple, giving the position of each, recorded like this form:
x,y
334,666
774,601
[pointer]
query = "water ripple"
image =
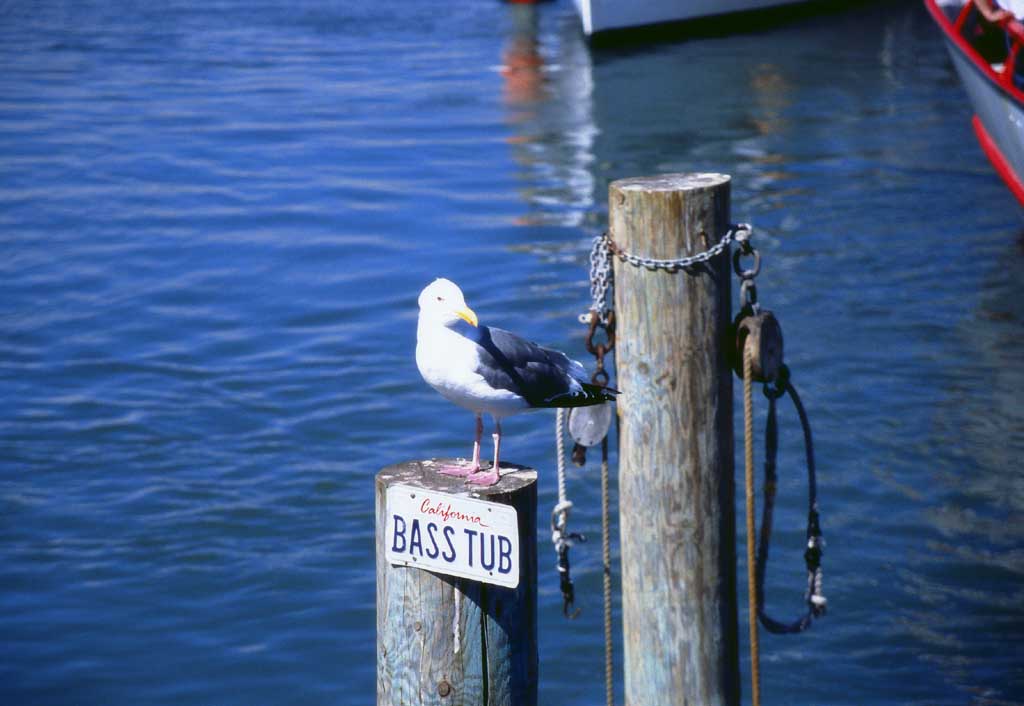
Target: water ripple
x,y
216,220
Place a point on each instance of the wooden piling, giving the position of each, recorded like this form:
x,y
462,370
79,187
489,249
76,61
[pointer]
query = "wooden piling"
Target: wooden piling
x,y
676,484
496,660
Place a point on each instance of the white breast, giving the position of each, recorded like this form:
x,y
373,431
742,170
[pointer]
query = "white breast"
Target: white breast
x,y
448,361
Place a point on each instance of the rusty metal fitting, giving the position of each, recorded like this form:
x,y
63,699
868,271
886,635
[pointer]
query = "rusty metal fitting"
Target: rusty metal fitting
x,y
609,332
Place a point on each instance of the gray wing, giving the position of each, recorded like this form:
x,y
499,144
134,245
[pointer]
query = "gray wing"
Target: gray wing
x,y
544,377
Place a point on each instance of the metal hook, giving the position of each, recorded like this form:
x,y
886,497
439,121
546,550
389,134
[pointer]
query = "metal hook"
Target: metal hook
x,y
609,330
565,584
567,607
748,296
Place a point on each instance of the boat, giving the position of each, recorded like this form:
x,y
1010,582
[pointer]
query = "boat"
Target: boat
x,y
990,64
600,16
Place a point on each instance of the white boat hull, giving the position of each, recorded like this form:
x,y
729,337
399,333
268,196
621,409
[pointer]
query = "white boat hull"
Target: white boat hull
x,y
603,15
1001,116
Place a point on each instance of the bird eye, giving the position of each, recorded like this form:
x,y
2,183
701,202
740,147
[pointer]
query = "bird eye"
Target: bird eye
x,y
440,299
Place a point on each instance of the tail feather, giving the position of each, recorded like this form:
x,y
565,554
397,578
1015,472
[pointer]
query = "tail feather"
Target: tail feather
x,y
590,395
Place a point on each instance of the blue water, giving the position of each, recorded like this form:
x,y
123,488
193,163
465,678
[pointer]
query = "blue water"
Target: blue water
x,y
216,218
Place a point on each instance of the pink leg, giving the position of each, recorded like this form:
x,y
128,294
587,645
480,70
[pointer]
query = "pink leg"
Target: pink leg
x,y
492,477
463,469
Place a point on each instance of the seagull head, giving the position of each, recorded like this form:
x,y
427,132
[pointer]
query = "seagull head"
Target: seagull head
x,y
442,302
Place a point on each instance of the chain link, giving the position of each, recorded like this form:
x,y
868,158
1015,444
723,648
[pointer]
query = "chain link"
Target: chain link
x,y
600,279
740,232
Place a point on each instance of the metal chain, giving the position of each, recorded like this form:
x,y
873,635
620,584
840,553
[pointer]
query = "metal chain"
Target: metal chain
x,y
748,289
741,232
600,279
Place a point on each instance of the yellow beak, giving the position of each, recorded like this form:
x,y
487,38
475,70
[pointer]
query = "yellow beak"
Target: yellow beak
x,y
467,315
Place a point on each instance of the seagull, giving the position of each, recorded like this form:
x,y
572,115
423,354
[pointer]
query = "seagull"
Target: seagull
x,y
489,370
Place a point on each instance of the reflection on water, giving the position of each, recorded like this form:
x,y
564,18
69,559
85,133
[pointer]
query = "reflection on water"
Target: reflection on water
x,y
216,218
547,90
523,65
770,94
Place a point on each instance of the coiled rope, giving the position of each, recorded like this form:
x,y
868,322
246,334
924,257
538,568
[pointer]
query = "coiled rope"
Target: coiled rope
x,y
757,564
817,604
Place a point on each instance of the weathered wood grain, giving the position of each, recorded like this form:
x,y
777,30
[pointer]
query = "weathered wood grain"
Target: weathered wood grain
x,y
416,660
676,484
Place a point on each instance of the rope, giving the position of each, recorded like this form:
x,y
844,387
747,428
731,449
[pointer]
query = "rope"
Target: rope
x,y
562,508
817,604
560,513
563,540
606,558
752,593
560,537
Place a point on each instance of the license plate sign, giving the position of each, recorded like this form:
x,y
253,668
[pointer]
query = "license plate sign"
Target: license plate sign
x,y
453,535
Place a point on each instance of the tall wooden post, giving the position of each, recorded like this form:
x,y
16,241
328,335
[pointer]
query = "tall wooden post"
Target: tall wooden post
x,y
447,641
676,485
